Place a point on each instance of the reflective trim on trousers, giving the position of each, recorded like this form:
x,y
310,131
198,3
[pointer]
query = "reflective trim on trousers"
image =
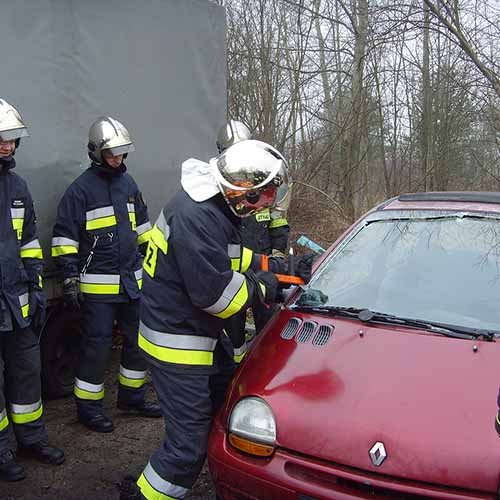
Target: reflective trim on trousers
x,y
107,284
100,217
232,299
131,378
86,390
239,353
153,487
138,277
32,250
64,246
4,421
176,348
24,303
23,414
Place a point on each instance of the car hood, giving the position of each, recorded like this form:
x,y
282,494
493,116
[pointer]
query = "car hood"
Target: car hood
x,y
431,400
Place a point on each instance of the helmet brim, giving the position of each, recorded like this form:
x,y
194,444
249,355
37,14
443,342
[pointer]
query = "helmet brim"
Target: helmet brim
x,y
13,134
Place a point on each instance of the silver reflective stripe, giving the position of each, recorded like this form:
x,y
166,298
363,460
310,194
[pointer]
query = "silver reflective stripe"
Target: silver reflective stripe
x,y
238,351
87,386
227,294
3,414
162,225
100,212
21,409
133,374
138,274
163,486
23,299
17,213
100,279
59,241
143,228
234,251
175,341
130,207
32,244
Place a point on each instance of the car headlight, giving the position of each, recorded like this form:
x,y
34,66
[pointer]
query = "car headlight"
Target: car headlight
x,y
252,427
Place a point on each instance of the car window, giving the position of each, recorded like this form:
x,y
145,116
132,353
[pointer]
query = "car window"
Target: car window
x,y
445,270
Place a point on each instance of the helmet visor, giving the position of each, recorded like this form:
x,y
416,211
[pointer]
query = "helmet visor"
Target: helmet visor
x,y
121,150
12,135
245,199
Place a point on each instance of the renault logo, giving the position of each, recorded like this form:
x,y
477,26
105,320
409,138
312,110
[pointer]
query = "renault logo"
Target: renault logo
x,y
378,454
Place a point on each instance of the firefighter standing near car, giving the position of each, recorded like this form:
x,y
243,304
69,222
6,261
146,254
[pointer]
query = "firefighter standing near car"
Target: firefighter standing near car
x,y
265,232
102,223
196,276
22,308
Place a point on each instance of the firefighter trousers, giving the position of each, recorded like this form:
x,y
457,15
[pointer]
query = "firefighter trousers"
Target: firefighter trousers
x,y
94,354
188,400
20,388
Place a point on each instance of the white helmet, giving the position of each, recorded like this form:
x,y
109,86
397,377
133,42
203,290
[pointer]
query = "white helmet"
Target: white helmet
x,y
231,133
106,133
252,176
12,127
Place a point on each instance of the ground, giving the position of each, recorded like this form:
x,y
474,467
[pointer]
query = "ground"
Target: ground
x,y
95,463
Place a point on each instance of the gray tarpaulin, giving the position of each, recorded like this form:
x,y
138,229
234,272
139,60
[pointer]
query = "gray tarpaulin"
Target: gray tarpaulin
x,y
159,66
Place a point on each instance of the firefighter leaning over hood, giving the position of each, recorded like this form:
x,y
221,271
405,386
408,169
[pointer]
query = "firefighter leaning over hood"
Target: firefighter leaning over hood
x,y
197,274
102,224
22,308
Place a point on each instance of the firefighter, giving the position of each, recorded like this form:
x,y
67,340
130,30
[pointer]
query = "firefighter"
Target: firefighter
x,y
197,275
102,224
22,305
266,232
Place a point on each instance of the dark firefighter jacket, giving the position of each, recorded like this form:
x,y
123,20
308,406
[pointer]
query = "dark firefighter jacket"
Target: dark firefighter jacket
x,y
265,232
101,221
21,258
194,280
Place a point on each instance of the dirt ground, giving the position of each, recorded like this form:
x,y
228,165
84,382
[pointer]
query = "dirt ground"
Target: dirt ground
x,y
95,463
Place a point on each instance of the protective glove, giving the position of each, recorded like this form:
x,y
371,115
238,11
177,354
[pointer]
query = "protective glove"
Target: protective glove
x,y
497,423
303,267
36,306
271,285
71,293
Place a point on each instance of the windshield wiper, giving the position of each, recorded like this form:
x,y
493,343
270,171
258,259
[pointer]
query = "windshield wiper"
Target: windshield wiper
x,y
368,316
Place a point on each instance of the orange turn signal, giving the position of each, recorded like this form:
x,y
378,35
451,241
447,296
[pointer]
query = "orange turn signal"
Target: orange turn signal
x,y
250,447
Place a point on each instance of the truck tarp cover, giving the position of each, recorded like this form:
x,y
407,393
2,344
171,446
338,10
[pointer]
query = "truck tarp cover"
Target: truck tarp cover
x,y
158,66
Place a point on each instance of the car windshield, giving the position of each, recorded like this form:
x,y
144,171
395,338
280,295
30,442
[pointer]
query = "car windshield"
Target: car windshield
x,y
436,268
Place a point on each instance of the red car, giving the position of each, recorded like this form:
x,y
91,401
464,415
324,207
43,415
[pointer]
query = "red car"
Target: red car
x,y
378,380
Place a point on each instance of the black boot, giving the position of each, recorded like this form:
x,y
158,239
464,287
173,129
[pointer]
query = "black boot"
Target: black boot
x,y
9,469
143,409
97,423
42,452
129,490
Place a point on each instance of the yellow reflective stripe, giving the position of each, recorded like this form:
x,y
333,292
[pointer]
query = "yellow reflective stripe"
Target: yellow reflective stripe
x,y
149,492
263,216
130,382
94,396
238,301
498,418
278,223
100,223
238,357
17,224
246,259
100,289
235,264
63,250
25,310
144,237
24,418
131,216
178,356
139,284
40,281
32,253
263,288
159,239
4,421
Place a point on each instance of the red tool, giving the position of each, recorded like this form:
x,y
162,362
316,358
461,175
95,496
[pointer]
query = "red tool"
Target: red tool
x,y
282,278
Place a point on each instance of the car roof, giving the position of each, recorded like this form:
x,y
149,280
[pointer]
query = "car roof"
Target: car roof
x,y
474,201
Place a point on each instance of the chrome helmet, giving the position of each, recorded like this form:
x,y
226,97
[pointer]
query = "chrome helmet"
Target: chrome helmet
x,y
252,176
231,133
12,127
106,133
